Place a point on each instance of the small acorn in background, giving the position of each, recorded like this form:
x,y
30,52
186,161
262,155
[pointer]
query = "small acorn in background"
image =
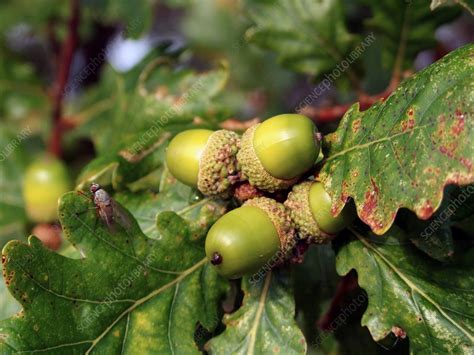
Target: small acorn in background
x,y
205,159
246,238
310,209
275,153
45,181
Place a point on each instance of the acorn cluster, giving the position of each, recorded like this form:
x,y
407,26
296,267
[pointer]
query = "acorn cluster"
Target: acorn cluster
x,y
270,156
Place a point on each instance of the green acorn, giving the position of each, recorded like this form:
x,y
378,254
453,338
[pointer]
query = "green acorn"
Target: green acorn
x,y
275,153
247,238
45,180
205,159
310,209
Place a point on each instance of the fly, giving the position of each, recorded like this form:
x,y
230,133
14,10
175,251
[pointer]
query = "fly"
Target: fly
x,y
109,211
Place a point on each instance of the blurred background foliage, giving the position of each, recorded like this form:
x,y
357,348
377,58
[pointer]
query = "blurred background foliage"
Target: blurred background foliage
x,y
253,59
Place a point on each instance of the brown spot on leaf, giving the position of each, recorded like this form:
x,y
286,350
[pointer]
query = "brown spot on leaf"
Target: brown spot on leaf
x,y
399,332
344,198
356,125
426,211
466,162
458,126
4,259
454,179
369,206
404,126
446,151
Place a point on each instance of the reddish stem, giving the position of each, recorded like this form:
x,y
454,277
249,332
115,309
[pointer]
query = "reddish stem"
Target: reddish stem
x,y
333,113
244,191
67,52
347,284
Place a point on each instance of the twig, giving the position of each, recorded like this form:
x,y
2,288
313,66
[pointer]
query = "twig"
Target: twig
x,y
398,64
67,52
333,113
347,284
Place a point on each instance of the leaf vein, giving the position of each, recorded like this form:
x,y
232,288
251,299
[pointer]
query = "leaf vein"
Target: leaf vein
x,y
412,286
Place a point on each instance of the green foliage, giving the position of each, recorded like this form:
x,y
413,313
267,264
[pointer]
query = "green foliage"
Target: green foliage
x,y
138,14
23,101
36,15
165,280
155,94
309,36
12,216
435,236
408,26
8,305
403,151
216,29
264,324
430,302
12,212
142,285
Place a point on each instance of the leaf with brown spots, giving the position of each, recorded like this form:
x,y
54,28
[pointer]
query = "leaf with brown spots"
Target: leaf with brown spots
x,y
142,288
410,294
407,149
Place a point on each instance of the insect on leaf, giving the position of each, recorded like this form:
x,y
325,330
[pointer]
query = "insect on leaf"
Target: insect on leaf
x,y
126,289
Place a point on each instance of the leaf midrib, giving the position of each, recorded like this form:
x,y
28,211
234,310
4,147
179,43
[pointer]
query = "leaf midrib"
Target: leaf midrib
x,y
390,138
412,285
136,304
146,299
116,248
258,315
384,139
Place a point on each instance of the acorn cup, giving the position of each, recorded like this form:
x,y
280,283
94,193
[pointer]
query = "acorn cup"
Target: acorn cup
x,y
275,153
245,239
205,159
310,206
